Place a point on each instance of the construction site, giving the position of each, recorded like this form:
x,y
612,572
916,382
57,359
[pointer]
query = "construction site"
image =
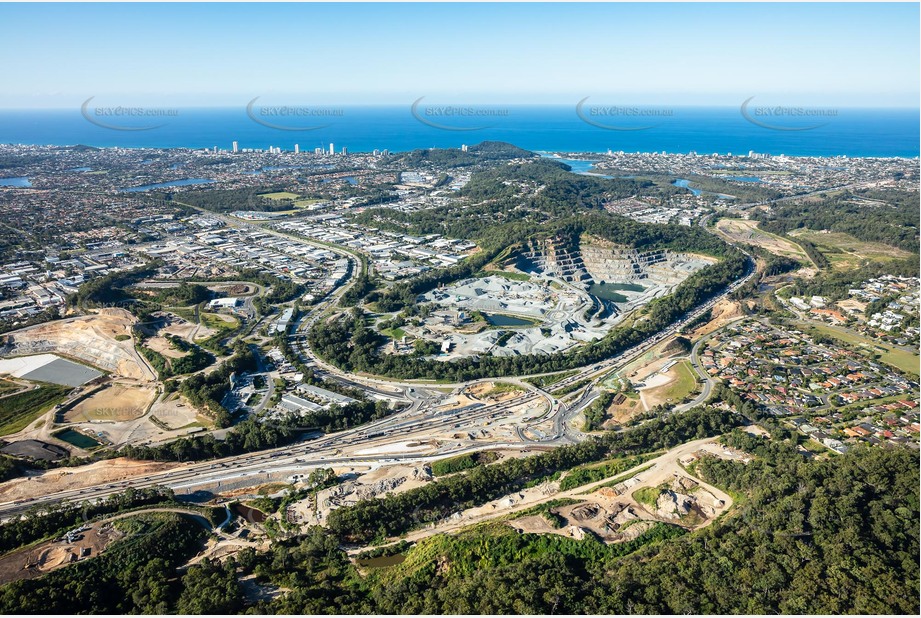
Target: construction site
x,y
116,397
82,543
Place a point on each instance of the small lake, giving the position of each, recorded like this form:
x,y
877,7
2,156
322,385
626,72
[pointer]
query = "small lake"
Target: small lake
x,y
686,184
498,319
80,169
19,181
744,178
610,291
249,513
76,438
579,166
173,183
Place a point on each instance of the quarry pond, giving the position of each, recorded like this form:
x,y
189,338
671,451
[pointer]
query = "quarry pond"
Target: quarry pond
x,y
610,291
499,319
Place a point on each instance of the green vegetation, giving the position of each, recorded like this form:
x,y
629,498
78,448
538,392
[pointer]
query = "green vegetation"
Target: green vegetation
x,y
20,409
8,386
207,391
844,251
583,475
229,200
623,477
834,284
54,519
818,258
337,418
682,386
454,158
512,276
196,358
218,322
597,412
891,218
133,576
279,195
112,288
246,437
550,380
463,462
648,496
183,295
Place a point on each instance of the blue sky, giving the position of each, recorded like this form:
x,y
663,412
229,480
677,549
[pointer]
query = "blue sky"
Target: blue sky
x,y
57,55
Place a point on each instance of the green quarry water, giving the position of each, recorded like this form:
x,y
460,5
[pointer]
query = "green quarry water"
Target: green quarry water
x,y
609,291
76,438
498,319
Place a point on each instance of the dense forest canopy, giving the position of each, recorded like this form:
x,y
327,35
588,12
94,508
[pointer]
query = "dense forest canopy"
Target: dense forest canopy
x,y
483,152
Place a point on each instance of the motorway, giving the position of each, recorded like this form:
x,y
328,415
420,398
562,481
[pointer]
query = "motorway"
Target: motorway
x,y
419,421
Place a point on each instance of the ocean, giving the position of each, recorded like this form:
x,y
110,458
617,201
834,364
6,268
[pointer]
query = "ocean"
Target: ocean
x,y
849,132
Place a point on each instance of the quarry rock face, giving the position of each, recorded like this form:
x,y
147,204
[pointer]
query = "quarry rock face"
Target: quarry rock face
x,y
603,262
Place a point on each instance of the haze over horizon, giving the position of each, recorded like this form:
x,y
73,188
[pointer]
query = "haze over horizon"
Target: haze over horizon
x,y
186,55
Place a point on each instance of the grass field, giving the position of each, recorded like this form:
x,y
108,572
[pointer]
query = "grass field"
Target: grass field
x,y
901,359
17,411
504,387
844,251
647,496
684,384
305,202
394,333
219,322
280,195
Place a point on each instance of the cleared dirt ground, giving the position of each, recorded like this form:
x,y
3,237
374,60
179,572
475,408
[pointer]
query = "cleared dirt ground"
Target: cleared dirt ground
x,y
164,347
493,391
121,401
669,387
722,313
739,230
62,479
35,561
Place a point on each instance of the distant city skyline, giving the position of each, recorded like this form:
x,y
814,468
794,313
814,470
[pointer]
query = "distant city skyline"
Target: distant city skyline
x,y
182,55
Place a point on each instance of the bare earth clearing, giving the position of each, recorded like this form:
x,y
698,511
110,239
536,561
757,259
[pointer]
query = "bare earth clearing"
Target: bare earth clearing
x,y
62,479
